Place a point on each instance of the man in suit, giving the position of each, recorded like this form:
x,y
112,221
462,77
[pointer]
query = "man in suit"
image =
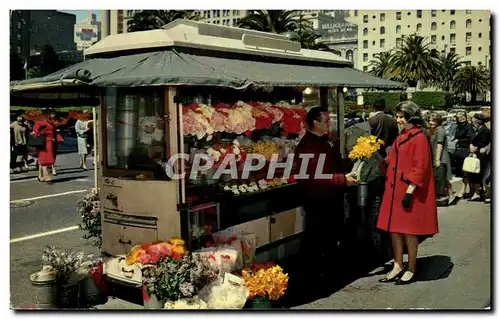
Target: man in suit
x,y
383,126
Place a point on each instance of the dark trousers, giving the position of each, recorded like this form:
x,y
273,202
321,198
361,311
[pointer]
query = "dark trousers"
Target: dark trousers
x,y
322,232
440,182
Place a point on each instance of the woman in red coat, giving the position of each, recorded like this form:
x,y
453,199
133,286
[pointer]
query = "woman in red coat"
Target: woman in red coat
x,y
46,158
408,206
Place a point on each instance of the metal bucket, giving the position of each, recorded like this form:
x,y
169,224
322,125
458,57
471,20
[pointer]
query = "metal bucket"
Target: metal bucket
x,y
362,195
44,288
68,295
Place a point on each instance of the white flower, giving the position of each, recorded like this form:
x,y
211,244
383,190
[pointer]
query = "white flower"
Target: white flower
x,y
209,137
236,150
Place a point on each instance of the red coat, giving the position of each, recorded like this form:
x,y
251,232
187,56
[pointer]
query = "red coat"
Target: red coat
x,y
46,156
409,161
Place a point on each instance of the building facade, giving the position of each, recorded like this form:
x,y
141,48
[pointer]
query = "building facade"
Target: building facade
x,y
33,29
87,32
336,32
466,32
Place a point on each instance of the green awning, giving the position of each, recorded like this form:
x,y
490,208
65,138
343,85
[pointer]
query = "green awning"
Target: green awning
x,y
178,67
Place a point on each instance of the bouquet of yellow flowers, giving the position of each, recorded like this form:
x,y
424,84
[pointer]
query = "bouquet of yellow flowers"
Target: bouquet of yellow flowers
x,y
365,147
368,160
269,281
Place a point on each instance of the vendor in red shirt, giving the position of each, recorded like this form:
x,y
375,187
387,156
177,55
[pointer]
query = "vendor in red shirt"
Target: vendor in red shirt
x,y
408,206
323,198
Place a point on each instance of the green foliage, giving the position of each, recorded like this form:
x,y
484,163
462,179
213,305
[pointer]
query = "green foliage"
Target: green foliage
x,y
427,99
156,19
473,80
172,280
88,208
391,99
274,21
415,62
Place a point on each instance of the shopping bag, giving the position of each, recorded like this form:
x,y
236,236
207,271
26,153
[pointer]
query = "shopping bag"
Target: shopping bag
x,y
472,164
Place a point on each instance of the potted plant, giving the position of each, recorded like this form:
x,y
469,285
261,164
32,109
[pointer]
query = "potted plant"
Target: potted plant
x,y
266,282
88,208
66,265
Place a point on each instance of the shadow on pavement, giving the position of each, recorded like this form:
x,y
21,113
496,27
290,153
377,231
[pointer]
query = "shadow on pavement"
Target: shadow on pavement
x,y
65,179
432,268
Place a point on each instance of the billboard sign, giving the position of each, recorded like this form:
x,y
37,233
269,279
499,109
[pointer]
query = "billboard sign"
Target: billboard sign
x,y
87,33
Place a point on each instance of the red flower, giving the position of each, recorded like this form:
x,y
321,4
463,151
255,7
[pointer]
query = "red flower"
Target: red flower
x,y
176,256
208,244
291,179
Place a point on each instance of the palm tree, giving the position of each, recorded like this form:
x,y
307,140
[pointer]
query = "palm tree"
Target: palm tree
x,y
309,40
414,62
448,66
156,19
473,80
382,65
274,21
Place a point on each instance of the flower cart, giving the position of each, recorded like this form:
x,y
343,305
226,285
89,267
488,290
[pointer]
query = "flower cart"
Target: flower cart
x,y
195,88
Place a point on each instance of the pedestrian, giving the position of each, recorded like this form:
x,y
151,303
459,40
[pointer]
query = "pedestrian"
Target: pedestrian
x,y
478,147
45,127
408,206
81,129
463,136
56,143
19,145
351,119
441,159
383,126
323,198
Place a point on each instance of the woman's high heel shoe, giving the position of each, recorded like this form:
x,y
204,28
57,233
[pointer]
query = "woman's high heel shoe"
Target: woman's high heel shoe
x,y
392,279
402,282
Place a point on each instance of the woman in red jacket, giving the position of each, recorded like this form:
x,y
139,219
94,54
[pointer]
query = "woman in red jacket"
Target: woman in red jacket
x,y
408,206
46,158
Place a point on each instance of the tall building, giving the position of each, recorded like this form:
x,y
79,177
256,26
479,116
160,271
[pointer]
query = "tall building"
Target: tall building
x,y
336,32
33,29
114,21
87,32
466,32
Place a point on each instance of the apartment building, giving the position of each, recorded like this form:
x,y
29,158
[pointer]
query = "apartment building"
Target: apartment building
x,y
466,32
222,17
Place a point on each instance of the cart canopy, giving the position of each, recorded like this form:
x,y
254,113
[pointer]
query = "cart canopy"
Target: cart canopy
x,y
181,67
194,53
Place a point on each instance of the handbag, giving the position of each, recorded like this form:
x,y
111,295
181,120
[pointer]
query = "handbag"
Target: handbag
x,y
472,164
37,142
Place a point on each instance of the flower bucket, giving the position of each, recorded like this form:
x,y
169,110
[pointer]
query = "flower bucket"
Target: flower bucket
x,y
90,292
362,194
67,295
150,301
259,302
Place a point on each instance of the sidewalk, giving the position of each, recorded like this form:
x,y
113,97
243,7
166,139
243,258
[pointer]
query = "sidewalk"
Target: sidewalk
x,y
455,271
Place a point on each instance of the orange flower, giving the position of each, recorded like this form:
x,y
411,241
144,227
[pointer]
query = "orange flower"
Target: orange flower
x,y
268,281
175,241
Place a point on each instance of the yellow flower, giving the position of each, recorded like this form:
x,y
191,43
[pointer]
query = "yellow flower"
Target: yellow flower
x,y
365,147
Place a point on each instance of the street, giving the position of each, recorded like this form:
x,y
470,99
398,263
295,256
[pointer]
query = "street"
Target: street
x,y
41,215
455,265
